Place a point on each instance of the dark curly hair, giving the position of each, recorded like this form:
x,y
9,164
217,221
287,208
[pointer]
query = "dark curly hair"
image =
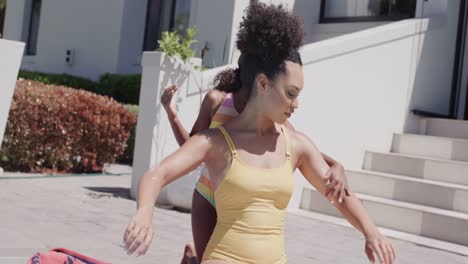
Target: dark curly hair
x,y
268,37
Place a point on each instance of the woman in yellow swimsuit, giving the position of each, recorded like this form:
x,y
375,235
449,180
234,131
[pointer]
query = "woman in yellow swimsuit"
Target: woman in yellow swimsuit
x,y
220,105
251,159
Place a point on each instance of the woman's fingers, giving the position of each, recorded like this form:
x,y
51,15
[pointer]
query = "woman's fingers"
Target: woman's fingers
x,y
347,191
336,192
370,254
129,229
385,253
391,251
342,194
168,93
394,251
145,245
170,87
382,247
330,187
131,239
139,238
375,247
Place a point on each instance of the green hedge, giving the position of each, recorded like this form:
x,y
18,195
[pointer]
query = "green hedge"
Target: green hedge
x,y
127,156
123,88
61,130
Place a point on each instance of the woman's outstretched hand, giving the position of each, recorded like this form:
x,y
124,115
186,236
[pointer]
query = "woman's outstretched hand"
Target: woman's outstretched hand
x,y
166,100
139,232
380,246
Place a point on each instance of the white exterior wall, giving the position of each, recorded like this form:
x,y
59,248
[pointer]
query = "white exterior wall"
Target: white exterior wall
x,y
214,20
11,53
14,20
132,36
307,10
154,138
357,92
436,52
106,35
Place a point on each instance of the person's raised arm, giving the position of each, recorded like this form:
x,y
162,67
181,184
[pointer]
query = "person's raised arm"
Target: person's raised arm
x,y
209,105
312,166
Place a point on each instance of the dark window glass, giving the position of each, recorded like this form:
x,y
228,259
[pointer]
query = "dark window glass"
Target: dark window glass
x,y
2,16
165,15
366,10
33,32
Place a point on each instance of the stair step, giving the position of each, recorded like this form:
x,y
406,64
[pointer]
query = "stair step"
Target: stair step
x,y
409,189
416,239
421,220
416,166
431,146
444,127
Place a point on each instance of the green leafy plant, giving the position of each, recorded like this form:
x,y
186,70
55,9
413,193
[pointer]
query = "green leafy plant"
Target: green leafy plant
x,y
127,155
172,45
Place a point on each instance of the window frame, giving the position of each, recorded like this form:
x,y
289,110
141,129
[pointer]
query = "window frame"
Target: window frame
x,y
31,50
162,25
2,23
355,19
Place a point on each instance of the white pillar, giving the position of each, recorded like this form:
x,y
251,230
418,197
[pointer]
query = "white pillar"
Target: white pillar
x,y
11,53
154,138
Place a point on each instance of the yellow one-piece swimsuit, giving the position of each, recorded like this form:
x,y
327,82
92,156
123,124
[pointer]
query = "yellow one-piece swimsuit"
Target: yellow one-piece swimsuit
x,y
251,203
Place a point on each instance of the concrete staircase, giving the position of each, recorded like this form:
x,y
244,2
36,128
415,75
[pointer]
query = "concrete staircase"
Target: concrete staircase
x,y
420,187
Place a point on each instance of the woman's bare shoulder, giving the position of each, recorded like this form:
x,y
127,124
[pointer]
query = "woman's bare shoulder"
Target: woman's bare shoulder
x,y
300,142
214,140
214,98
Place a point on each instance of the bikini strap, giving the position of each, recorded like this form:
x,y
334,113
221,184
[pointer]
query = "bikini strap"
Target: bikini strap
x,y
288,147
229,140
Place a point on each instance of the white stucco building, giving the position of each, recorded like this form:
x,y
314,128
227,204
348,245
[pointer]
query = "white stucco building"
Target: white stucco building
x,y
377,73
89,38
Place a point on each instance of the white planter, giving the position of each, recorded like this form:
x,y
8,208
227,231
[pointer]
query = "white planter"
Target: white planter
x,y
11,53
154,138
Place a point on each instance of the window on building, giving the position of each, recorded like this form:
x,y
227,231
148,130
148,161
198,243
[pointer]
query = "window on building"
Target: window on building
x,y
338,11
181,16
2,16
165,15
33,30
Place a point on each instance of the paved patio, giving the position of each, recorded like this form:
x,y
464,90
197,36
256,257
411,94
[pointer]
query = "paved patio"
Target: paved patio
x,y
88,214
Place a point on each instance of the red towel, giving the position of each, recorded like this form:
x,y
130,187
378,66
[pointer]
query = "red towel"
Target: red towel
x,y
62,256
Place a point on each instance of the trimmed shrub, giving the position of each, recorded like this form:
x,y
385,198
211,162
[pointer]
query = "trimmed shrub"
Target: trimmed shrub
x,y
123,88
61,79
56,129
127,156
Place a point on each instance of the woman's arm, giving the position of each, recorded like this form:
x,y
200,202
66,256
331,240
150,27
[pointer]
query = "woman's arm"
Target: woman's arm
x,y
138,234
209,106
338,186
311,164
